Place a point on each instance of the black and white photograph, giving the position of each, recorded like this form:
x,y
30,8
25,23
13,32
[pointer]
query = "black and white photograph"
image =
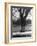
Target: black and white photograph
x,y
21,21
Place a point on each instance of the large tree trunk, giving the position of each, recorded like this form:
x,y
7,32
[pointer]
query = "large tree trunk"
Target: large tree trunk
x,y
22,20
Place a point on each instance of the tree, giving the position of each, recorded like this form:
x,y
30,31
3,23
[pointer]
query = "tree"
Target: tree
x,y
23,19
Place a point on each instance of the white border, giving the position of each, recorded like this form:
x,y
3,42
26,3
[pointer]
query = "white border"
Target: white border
x,y
33,25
